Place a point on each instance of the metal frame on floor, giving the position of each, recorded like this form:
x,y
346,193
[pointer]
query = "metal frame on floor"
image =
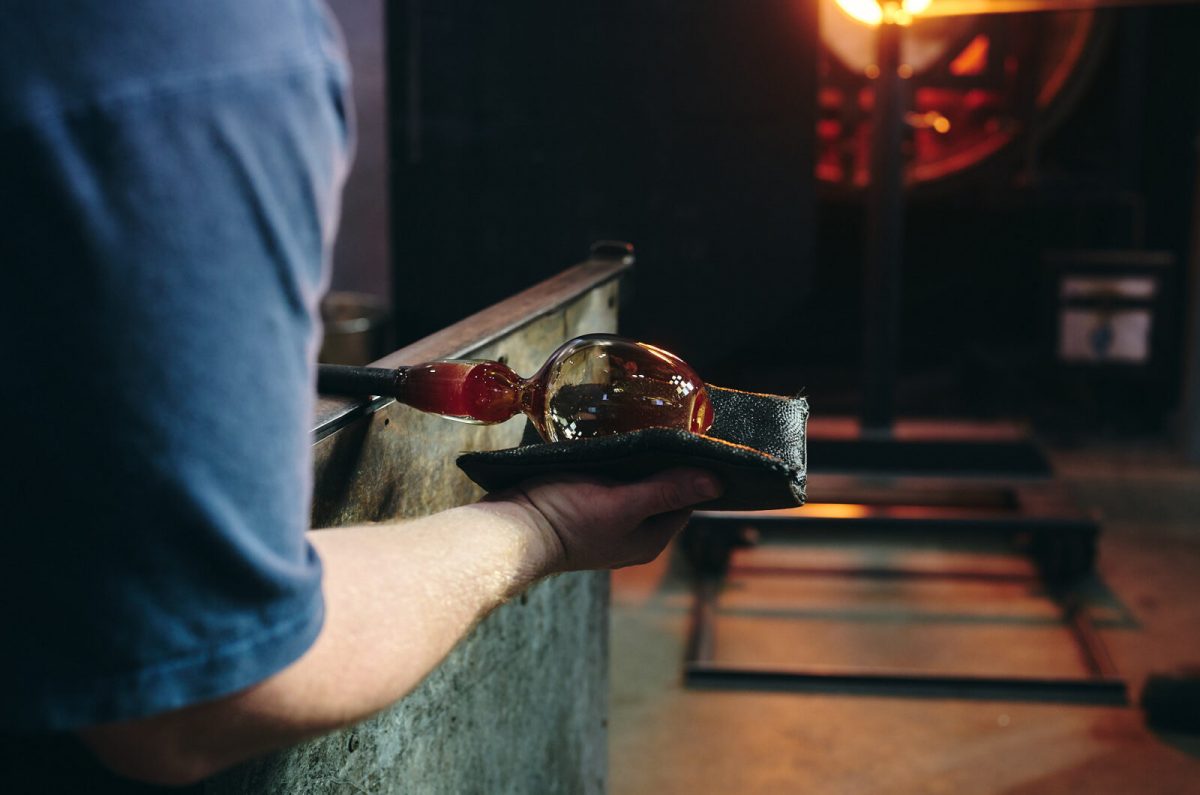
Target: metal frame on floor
x,y
1059,539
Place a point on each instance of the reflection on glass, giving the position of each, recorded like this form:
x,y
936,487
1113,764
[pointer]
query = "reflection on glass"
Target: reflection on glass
x,y
591,386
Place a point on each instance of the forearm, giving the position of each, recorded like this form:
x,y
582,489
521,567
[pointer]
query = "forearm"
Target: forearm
x,y
398,598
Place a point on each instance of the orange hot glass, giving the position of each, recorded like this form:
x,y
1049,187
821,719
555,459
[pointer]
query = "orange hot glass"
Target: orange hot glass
x,y
591,386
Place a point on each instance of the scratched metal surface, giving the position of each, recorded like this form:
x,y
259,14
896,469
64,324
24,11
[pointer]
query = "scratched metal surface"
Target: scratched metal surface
x,y
521,705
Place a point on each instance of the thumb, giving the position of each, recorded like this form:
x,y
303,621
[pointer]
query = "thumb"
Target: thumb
x,y
670,490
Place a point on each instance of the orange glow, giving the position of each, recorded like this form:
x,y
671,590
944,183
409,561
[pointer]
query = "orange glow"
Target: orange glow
x,y
975,117
866,11
915,7
930,120
874,12
837,510
973,58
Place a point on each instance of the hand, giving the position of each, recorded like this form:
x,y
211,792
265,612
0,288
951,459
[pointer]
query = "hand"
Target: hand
x,y
588,523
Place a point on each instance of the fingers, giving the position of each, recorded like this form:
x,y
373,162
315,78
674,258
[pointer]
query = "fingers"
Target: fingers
x,y
669,491
602,524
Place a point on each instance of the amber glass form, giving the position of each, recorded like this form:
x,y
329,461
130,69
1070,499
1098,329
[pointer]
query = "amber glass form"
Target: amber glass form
x,y
591,386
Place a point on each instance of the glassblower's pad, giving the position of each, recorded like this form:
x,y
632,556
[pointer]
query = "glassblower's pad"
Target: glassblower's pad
x,y
756,447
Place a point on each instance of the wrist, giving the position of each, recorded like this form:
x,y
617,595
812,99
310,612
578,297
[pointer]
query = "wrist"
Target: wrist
x,y
540,551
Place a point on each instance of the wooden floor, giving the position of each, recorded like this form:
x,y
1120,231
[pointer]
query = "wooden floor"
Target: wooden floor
x,y
667,739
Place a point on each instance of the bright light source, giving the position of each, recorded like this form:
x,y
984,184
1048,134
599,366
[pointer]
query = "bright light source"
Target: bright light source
x,y
865,11
873,12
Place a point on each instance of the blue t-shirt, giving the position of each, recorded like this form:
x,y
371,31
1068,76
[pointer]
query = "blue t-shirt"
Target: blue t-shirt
x,y
170,175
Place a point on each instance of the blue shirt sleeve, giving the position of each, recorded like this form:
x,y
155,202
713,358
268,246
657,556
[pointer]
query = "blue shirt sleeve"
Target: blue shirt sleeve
x,y
171,174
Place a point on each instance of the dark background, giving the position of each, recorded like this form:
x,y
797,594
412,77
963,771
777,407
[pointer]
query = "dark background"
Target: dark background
x,y
976,336
519,134
683,128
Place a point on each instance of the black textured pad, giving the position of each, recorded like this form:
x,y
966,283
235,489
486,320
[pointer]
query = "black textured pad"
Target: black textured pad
x,y
756,447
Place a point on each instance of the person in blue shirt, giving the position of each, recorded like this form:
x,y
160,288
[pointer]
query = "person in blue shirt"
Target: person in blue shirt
x,y
171,174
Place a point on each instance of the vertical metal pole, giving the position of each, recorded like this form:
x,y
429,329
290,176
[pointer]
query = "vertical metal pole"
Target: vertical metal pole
x,y
885,238
1189,408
